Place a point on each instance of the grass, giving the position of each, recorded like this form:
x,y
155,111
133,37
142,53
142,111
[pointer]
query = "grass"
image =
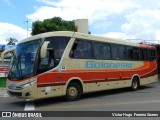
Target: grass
x,y
2,82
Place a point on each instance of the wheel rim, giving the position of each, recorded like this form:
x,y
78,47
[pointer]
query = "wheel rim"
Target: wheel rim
x,y
72,92
135,84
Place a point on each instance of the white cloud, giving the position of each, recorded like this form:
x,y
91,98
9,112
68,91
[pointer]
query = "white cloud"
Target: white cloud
x,y
75,9
8,30
143,24
116,35
134,19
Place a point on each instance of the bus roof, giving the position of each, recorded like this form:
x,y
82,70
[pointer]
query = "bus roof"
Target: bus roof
x,y
83,36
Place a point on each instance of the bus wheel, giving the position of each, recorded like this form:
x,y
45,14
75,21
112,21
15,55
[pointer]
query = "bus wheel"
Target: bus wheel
x,y
73,92
135,84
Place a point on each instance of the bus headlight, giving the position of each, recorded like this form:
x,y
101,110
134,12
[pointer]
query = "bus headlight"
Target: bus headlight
x,y
29,84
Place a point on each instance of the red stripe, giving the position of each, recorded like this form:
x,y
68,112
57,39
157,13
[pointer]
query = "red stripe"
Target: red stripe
x,y
153,73
108,80
50,84
96,81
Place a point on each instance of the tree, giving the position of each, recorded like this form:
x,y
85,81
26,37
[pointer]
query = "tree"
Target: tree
x,y
53,24
11,41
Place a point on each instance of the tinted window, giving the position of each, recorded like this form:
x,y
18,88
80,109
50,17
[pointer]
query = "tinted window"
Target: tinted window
x,y
145,54
55,51
132,53
102,50
24,60
118,52
141,55
135,53
58,44
81,49
122,52
152,55
115,53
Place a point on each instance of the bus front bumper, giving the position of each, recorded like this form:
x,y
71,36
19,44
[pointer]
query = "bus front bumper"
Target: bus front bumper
x,y
30,92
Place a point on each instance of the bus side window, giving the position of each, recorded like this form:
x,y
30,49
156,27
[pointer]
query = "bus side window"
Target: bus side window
x,y
145,53
141,56
135,53
51,58
129,53
81,50
152,55
47,62
119,52
115,52
122,52
102,51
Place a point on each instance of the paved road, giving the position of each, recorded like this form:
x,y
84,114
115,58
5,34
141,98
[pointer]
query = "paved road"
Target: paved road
x,y
145,99
10,104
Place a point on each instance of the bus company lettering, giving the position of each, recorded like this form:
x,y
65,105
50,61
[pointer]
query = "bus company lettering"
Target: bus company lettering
x,y
92,64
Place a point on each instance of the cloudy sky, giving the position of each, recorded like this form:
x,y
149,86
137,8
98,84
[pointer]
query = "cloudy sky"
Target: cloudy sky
x,y
121,19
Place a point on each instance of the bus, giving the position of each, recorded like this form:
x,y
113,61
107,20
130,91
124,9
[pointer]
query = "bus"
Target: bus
x,y
70,64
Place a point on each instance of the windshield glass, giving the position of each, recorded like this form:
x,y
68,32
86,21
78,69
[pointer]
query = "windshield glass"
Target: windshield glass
x,y
22,65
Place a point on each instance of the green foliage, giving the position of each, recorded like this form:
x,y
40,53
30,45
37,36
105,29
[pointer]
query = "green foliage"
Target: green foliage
x,y
53,24
11,41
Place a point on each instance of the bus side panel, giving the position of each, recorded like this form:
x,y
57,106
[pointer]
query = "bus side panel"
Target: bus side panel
x,y
48,86
149,80
107,85
54,83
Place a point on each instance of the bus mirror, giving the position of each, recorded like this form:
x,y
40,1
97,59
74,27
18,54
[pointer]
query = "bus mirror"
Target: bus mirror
x,y
44,49
7,54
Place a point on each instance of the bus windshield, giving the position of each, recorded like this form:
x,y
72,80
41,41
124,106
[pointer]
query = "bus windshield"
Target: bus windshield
x,y
23,62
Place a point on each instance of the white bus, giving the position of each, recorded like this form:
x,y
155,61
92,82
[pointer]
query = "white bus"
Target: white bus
x,y
71,63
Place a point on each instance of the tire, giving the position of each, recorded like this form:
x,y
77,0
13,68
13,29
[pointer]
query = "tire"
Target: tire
x,y
135,84
73,92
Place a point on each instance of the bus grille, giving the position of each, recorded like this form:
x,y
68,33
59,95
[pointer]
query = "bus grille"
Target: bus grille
x,y
15,93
